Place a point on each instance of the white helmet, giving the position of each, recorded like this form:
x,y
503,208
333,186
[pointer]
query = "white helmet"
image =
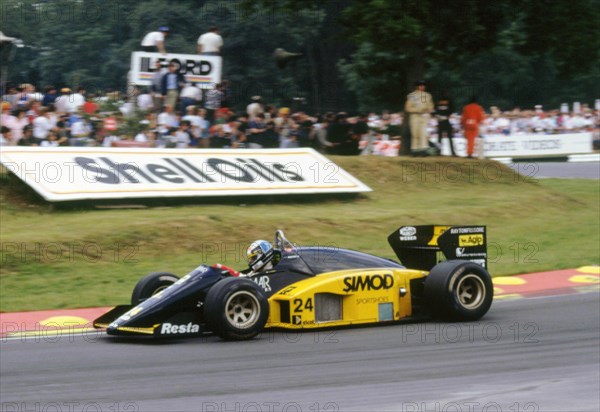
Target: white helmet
x,y
259,254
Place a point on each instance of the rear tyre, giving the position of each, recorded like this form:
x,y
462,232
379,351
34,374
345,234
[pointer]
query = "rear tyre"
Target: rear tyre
x,y
459,290
150,285
236,309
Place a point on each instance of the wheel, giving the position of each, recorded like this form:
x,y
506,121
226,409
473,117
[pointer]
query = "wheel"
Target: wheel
x,y
236,309
150,285
459,290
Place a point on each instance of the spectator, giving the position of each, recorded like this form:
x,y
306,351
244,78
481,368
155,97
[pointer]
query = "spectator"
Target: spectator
x,y
28,139
6,136
24,95
190,96
90,106
78,98
155,40
360,131
338,134
143,135
205,129
11,96
61,130
210,43
50,96
254,108
42,125
144,100
81,129
167,120
182,135
11,122
52,140
443,110
419,105
226,90
284,126
293,138
219,137
69,102
171,85
212,103
321,132
20,121
156,86
256,131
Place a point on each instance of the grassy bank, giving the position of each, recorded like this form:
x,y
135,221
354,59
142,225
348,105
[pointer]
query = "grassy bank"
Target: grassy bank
x,y
77,257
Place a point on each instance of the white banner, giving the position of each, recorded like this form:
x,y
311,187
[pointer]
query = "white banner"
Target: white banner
x,y
526,145
202,70
74,173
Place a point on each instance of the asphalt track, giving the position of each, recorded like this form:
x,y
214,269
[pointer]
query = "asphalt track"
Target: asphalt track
x,y
560,170
526,355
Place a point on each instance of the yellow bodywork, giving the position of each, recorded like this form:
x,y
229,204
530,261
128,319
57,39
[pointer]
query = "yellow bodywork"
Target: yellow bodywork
x,y
348,297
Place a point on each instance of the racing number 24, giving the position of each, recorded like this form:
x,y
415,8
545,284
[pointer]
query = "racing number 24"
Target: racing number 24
x,y
300,305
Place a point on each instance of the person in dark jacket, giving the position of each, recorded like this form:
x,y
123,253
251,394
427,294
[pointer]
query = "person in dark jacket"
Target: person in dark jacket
x,y
171,84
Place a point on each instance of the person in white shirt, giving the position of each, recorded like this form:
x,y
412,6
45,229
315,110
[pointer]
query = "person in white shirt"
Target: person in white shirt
x,y
78,99
145,101
61,104
155,40
210,43
255,108
81,128
42,125
167,120
182,135
69,102
109,139
141,137
190,96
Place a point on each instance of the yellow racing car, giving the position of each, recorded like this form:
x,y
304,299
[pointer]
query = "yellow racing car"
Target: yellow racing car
x,y
442,274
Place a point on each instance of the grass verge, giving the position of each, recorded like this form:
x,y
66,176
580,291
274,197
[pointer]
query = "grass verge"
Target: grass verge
x,y
81,256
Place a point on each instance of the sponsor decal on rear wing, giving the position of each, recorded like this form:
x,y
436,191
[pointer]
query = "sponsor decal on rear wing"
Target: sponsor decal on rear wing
x,y
424,246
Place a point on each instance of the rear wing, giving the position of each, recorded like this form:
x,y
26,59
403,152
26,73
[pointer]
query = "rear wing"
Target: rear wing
x,y
422,247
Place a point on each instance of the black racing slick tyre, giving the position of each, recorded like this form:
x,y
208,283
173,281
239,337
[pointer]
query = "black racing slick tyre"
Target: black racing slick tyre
x,y
236,309
150,285
459,290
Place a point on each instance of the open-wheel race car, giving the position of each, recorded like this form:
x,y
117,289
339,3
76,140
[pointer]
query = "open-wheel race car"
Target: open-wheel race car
x,y
442,275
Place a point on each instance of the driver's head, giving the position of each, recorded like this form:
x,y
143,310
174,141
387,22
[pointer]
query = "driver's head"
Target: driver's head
x,y
260,253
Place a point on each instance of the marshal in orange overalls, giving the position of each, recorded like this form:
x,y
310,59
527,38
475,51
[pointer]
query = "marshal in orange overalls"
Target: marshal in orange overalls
x,y
472,116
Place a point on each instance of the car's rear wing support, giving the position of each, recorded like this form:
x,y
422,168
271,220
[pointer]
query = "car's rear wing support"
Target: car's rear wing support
x,y
422,247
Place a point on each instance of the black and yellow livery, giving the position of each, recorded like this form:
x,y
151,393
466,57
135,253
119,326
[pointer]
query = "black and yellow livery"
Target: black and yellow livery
x,y
319,287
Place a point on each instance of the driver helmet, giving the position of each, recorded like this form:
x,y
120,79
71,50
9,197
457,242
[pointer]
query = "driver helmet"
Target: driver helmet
x,y
260,253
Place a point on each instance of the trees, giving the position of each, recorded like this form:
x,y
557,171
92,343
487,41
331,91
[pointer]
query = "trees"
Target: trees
x,y
508,51
358,54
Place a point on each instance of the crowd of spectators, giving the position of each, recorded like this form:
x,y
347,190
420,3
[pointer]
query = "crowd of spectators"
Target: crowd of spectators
x,y
202,119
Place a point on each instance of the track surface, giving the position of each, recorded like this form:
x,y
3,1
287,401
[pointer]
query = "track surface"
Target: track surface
x,y
541,170
537,354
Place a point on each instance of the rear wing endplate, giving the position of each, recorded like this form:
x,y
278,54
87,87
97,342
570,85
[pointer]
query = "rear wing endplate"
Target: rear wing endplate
x,y
422,247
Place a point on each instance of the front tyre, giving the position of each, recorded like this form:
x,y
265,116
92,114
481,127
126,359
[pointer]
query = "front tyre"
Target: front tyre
x,y
150,285
236,309
459,290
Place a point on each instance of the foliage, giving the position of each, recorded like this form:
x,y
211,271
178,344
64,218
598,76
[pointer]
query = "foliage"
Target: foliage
x,y
509,52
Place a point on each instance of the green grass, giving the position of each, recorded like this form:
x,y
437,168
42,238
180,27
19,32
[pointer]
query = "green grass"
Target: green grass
x,y
79,257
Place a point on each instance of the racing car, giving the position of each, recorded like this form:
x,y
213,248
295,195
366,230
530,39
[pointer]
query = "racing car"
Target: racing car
x,y
441,275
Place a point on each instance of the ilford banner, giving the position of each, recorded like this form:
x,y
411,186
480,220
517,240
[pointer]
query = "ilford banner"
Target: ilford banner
x,y
71,173
202,70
